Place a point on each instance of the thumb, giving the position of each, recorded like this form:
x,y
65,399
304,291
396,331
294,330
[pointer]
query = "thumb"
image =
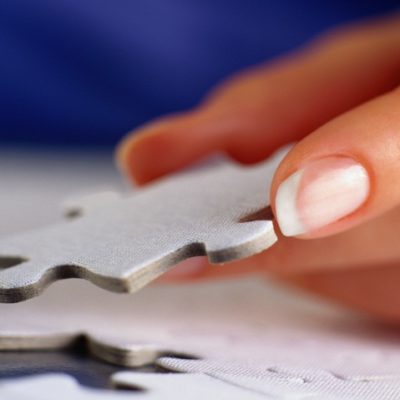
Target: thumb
x,y
343,174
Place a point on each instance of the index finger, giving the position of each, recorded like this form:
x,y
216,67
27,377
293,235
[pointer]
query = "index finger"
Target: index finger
x,y
255,113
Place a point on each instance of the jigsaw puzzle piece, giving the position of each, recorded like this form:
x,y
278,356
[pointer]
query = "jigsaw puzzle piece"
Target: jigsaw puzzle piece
x,y
121,243
115,350
290,382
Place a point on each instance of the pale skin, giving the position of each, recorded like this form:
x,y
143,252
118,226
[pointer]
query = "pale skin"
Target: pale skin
x,y
339,95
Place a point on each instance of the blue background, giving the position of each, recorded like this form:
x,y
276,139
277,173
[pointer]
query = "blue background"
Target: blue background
x,y
84,72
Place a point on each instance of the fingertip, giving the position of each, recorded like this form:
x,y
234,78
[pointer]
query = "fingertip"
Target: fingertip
x,y
136,153
122,156
168,145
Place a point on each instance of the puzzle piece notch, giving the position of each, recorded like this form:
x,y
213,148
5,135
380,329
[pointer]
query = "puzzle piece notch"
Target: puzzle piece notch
x,y
122,243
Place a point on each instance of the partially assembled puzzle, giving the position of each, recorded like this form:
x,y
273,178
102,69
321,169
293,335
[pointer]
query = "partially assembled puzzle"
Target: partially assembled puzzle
x,y
241,339
234,340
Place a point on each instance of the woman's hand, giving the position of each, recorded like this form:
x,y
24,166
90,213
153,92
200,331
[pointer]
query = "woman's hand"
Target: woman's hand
x,y
338,188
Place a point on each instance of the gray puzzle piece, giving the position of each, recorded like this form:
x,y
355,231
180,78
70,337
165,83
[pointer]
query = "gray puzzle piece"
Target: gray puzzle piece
x,y
291,382
122,243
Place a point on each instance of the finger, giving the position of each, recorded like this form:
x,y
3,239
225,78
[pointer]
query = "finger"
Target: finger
x,y
256,112
343,174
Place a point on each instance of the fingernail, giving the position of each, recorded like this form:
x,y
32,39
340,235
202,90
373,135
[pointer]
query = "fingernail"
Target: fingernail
x,y
322,192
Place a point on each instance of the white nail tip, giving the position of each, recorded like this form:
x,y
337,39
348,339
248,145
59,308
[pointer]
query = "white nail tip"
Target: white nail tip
x,y
319,194
286,207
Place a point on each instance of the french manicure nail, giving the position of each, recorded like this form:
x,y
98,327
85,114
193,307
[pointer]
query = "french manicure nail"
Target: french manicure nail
x,y
322,192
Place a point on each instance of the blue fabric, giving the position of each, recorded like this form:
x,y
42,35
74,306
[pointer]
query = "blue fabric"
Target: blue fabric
x,y
87,71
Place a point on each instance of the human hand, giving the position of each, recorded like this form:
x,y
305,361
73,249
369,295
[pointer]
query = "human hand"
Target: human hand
x,y
338,188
